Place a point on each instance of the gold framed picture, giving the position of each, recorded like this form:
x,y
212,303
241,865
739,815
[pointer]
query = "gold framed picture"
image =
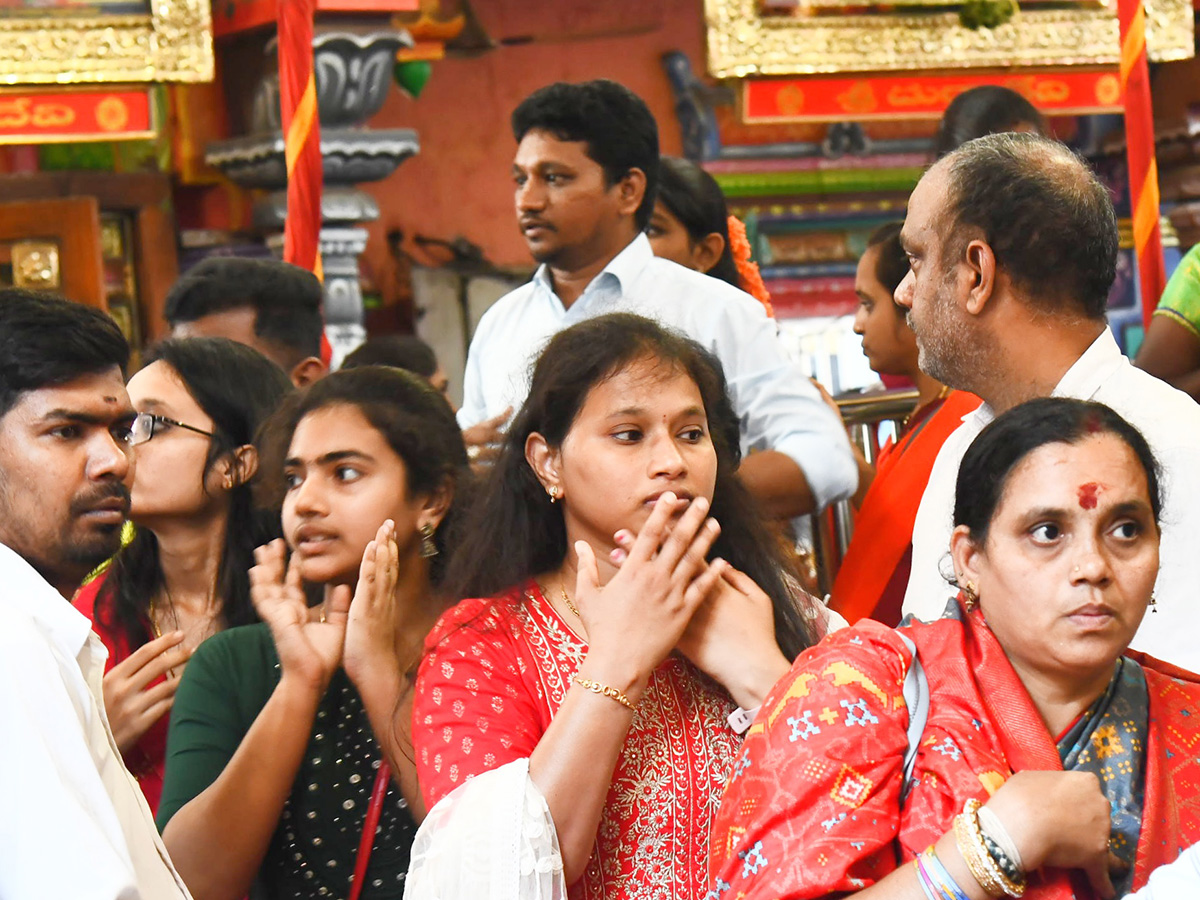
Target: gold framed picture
x,y
758,37
105,41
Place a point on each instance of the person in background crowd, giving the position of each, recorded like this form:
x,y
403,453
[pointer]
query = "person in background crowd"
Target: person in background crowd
x,y
1012,243
1171,350
692,226
593,672
988,109
401,351
271,306
586,173
874,573
1009,748
74,823
183,577
289,758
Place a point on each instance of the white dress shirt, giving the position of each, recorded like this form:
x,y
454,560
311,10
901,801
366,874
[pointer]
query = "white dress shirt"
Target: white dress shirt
x,y
73,822
1170,422
778,407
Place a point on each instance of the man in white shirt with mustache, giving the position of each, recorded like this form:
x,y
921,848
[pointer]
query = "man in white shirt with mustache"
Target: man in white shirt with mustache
x,y
74,822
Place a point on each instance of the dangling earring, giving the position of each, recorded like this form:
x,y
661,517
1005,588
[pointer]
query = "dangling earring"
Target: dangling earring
x,y
1153,603
970,595
428,547
553,492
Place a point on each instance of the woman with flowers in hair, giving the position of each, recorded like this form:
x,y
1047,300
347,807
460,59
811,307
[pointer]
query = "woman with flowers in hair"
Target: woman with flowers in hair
x,y
692,226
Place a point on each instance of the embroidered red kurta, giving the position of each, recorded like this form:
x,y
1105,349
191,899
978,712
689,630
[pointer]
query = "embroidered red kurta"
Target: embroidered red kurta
x,y
813,803
147,758
495,673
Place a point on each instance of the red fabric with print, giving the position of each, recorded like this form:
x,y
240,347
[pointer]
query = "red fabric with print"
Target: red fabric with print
x,y
147,758
495,673
813,803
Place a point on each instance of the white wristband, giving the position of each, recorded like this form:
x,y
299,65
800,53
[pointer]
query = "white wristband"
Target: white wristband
x,y
991,825
741,719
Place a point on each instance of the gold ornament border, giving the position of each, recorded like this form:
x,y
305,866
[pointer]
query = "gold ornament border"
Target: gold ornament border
x,y
173,43
742,43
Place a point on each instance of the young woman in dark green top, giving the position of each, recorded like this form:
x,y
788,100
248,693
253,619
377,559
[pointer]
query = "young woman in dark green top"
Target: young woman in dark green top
x,y
283,734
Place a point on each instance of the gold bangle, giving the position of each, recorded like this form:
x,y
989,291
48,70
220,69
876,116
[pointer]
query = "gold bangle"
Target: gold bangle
x,y
603,689
969,838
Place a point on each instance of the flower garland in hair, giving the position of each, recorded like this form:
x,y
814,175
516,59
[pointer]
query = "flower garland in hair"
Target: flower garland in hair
x,y
752,283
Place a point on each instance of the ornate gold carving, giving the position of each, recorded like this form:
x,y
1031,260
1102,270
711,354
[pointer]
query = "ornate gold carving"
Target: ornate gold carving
x,y
741,42
173,43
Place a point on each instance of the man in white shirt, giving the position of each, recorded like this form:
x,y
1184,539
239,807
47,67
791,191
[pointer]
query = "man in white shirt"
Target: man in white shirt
x,y
1013,246
585,170
73,822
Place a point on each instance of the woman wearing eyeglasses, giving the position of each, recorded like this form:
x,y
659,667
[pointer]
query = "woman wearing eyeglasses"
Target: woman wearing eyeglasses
x,y
183,577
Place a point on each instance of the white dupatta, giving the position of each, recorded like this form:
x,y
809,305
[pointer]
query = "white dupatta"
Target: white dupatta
x,y
492,838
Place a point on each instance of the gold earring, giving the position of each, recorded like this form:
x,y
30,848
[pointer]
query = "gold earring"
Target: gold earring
x,y
428,547
970,595
553,492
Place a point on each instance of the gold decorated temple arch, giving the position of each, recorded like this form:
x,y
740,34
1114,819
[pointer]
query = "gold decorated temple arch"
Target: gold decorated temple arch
x,y
112,111
832,105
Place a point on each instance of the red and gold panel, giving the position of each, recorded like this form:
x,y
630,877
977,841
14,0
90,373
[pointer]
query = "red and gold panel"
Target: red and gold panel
x,y
39,117
819,99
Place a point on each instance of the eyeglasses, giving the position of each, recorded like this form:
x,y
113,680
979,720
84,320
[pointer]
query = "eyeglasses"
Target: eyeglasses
x,y
146,425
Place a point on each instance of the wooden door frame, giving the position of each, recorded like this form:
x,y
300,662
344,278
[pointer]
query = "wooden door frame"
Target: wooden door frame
x,y
73,223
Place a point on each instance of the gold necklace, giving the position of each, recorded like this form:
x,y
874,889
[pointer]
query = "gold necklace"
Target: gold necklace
x,y
208,631
942,394
567,600
154,626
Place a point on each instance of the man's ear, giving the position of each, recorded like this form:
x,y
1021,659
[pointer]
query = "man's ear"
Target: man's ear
x,y
545,462
981,264
631,190
307,371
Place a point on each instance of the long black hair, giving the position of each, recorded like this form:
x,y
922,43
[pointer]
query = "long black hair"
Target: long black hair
x,y
237,387
414,419
693,197
1000,447
515,532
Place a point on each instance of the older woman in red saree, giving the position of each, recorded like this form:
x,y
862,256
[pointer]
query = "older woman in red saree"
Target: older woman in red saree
x,y
1011,747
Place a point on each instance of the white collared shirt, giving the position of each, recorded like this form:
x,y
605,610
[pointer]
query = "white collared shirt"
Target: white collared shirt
x,y
777,406
73,822
1170,422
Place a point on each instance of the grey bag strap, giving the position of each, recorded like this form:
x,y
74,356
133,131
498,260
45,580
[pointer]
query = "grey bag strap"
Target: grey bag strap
x,y
916,698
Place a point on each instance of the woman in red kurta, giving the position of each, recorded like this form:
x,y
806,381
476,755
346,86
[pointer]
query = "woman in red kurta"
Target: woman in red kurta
x,y
183,576
1024,701
607,674
874,574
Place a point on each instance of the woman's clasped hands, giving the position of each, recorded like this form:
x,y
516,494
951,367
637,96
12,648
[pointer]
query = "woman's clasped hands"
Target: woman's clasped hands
x,y
668,596
356,631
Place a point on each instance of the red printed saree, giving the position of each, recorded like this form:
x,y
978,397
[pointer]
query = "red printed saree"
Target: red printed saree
x,y
813,803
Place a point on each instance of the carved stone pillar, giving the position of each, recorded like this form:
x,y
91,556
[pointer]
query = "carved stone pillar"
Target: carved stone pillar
x,y
353,74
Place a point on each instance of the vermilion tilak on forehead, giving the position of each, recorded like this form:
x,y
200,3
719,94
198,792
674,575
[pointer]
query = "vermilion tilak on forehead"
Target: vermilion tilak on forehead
x,y
1087,495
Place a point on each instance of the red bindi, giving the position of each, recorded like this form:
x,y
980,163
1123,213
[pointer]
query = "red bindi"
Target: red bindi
x,y
1087,495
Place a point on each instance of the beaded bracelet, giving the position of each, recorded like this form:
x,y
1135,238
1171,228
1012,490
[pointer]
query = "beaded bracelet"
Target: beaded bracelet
x,y
984,867
603,689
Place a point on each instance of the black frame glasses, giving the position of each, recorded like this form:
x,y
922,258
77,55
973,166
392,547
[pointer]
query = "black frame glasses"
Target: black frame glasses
x,y
145,424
